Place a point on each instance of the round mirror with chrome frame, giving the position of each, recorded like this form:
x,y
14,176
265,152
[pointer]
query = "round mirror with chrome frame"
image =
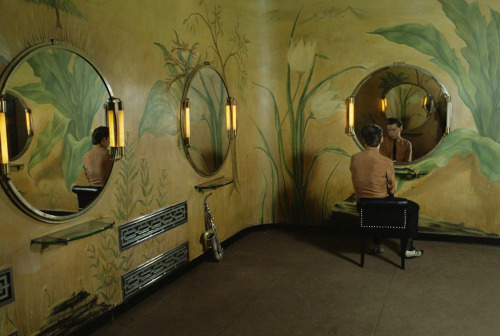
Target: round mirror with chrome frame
x,y
206,127
410,94
65,93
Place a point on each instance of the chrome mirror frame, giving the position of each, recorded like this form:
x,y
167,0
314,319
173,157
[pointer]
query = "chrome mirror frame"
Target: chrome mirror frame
x,y
185,122
444,100
5,179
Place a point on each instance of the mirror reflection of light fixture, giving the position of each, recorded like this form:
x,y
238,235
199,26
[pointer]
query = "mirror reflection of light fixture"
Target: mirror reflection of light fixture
x,y
351,115
187,123
116,127
384,104
29,122
4,152
448,114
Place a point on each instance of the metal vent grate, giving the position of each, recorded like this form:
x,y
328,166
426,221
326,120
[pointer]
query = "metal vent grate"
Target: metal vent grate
x,y
148,226
6,287
153,270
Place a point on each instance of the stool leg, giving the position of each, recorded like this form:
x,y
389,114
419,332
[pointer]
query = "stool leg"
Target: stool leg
x,y
363,246
404,241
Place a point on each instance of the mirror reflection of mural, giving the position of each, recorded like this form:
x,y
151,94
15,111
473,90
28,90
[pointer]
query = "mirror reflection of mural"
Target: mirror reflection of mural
x,y
408,93
207,94
18,125
409,103
65,94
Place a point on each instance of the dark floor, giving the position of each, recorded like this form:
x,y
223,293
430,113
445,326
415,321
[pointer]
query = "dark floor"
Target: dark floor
x,y
304,283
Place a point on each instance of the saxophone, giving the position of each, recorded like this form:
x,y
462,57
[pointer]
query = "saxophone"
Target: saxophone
x,y
211,237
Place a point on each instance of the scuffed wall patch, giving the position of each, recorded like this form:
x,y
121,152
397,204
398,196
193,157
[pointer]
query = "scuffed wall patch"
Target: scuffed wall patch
x,y
65,317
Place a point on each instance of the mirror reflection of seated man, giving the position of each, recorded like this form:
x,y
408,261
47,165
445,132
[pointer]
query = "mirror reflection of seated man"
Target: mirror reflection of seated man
x,y
395,147
97,162
373,177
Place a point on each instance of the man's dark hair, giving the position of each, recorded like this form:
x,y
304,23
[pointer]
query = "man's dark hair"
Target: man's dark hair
x,y
392,121
100,133
372,134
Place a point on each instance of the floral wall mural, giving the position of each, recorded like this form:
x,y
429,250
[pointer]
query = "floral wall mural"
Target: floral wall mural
x,y
293,175
291,66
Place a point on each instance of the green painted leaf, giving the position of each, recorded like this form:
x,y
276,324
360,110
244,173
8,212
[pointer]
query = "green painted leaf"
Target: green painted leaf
x,y
464,142
47,139
63,5
160,115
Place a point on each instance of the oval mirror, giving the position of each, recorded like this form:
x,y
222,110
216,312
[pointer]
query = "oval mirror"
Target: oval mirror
x,y
410,94
209,138
65,94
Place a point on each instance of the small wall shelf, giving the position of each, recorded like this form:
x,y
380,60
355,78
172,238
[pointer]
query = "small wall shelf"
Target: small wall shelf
x,y
83,230
214,184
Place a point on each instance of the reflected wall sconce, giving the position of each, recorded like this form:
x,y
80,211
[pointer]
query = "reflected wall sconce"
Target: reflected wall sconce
x,y
29,122
116,126
231,113
383,102
187,122
448,114
350,116
4,148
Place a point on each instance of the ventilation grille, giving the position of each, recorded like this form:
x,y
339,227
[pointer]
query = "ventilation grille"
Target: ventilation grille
x,y
148,226
6,287
153,270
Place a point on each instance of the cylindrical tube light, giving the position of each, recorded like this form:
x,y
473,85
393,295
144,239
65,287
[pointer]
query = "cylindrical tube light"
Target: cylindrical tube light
x,y
448,114
351,115
187,122
228,114
233,115
111,122
121,125
3,133
29,121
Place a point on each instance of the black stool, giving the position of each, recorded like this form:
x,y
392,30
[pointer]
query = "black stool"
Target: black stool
x,y
85,195
383,217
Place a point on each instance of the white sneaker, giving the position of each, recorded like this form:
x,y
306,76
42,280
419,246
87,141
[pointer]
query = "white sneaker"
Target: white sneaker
x,y
414,253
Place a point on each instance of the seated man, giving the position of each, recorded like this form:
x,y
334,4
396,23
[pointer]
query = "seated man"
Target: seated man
x,y
395,147
97,163
373,177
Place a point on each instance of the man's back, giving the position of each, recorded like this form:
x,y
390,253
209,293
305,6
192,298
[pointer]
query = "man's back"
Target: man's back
x,y
372,174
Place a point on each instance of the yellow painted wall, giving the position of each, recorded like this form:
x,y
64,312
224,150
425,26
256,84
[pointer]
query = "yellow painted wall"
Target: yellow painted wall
x,y
119,37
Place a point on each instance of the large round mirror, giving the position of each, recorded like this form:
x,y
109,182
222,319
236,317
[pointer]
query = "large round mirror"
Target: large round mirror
x,y
206,94
65,95
410,94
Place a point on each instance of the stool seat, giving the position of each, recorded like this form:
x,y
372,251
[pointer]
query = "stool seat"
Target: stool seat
x,y
85,195
383,217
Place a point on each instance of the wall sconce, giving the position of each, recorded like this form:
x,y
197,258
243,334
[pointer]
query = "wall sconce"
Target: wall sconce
x,y
4,148
187,123
350,116
116,127
29,122
228,116
231,116
384,104
448,114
